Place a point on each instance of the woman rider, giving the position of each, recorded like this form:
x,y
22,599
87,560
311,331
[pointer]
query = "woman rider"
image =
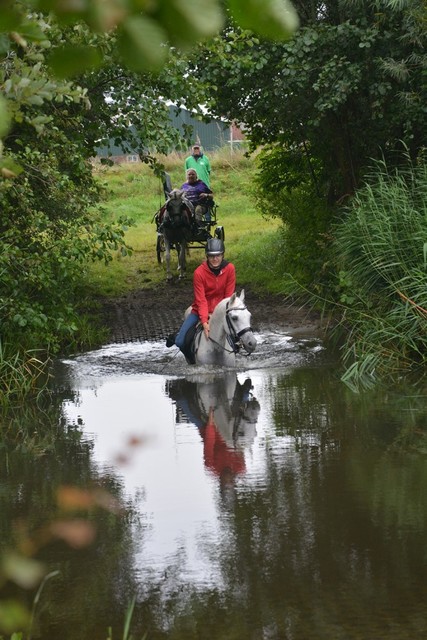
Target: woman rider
x,y
213,280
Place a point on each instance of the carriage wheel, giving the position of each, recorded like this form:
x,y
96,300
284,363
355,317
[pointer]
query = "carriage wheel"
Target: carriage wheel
x,y
220,233
160,248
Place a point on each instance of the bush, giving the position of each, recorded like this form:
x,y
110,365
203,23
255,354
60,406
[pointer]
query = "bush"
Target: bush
x,y
381,247
285,188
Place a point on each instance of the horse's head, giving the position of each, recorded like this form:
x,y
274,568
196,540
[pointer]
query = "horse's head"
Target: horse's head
x,y
238,319
174,201
177,204
176,194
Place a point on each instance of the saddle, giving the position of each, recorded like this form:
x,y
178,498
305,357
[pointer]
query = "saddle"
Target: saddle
x,y
188,349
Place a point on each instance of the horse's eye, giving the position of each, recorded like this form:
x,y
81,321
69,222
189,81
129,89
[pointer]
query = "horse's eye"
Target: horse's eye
x,y
235,317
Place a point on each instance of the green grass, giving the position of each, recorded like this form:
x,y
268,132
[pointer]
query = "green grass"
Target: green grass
x,y
21,373
134,191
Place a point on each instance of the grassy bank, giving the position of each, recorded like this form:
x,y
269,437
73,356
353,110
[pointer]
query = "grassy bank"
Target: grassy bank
x,y
132,190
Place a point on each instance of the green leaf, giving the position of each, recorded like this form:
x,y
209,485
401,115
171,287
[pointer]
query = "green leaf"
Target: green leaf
x,y
9,166
13,615
5,119
273,19
187,21
4,44
10,19
142,44
24,571
31,31
69,61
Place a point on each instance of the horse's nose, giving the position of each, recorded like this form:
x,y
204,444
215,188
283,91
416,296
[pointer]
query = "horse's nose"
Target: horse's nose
x,y
250,344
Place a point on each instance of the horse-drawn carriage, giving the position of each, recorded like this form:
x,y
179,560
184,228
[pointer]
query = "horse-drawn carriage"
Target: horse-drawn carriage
x,y
177,227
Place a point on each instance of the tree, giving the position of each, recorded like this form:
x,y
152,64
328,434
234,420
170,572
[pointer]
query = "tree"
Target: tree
x,y
143,33
350,85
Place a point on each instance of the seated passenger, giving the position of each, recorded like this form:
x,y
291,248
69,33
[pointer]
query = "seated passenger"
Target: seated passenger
x,y
198,193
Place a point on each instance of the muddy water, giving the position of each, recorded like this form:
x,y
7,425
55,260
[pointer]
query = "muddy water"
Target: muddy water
x,y
268,502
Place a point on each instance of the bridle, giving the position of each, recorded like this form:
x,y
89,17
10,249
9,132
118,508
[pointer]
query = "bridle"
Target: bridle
x,y
178,206
234,336
177,213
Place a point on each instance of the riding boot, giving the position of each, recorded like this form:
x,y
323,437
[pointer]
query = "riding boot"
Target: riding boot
x,y
170,340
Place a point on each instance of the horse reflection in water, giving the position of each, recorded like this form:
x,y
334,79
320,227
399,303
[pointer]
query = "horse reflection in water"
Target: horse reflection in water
x,y
226,414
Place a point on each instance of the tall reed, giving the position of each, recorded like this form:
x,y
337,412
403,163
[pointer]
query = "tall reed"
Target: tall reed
x,y
21,372
381,247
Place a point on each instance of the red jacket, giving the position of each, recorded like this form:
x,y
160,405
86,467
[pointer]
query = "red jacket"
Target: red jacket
x,y
218,457
210,289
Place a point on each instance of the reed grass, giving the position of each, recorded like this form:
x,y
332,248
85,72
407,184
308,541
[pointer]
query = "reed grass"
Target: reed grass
x,y
21,373
381,250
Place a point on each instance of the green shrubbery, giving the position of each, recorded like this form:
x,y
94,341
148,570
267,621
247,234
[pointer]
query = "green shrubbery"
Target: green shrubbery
x,y
367,261
381,253
47,240
287,190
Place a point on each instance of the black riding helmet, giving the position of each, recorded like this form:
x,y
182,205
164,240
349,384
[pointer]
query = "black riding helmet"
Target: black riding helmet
x,y
214,247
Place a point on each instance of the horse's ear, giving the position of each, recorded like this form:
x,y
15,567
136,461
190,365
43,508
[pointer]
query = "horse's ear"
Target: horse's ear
x,y
232,298
242,295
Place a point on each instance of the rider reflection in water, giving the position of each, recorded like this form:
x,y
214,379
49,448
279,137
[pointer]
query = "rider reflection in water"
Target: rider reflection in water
x,y
213,280
225,413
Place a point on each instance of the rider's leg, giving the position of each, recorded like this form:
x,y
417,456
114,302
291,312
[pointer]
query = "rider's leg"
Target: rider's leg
x,y
200,212
189,322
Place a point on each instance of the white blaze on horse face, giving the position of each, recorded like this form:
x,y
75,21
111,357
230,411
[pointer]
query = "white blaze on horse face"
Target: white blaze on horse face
x,y
247,338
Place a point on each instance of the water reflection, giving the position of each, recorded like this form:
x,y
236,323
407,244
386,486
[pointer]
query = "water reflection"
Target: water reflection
x,y
270,503
225,412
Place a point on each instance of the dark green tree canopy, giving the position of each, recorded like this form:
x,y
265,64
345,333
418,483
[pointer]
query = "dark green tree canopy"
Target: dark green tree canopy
x,y
350,84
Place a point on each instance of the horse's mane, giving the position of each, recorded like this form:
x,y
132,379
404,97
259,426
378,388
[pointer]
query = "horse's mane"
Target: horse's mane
x,y
232,301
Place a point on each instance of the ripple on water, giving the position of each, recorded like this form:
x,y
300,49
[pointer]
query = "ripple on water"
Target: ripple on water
x,y
132,358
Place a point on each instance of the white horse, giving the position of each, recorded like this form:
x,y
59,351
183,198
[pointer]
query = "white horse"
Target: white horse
x,y
229,328
233,409
222,400
175,227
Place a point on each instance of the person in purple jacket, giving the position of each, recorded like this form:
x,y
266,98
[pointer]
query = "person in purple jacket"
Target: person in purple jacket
x,y
198,193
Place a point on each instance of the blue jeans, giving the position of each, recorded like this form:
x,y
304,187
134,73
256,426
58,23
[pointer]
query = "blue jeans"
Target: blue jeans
x,y
191,320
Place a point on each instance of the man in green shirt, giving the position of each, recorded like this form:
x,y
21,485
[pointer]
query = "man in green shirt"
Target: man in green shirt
x,y
200,163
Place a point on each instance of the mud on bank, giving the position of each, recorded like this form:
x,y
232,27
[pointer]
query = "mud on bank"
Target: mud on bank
x,y
151,314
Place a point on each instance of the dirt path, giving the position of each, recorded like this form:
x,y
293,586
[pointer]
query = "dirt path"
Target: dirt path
x,y
151,314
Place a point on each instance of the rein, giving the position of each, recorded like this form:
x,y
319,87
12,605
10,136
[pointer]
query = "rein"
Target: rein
x,y
234,349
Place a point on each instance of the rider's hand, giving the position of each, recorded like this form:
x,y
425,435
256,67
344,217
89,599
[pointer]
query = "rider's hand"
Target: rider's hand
x,y
206,329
